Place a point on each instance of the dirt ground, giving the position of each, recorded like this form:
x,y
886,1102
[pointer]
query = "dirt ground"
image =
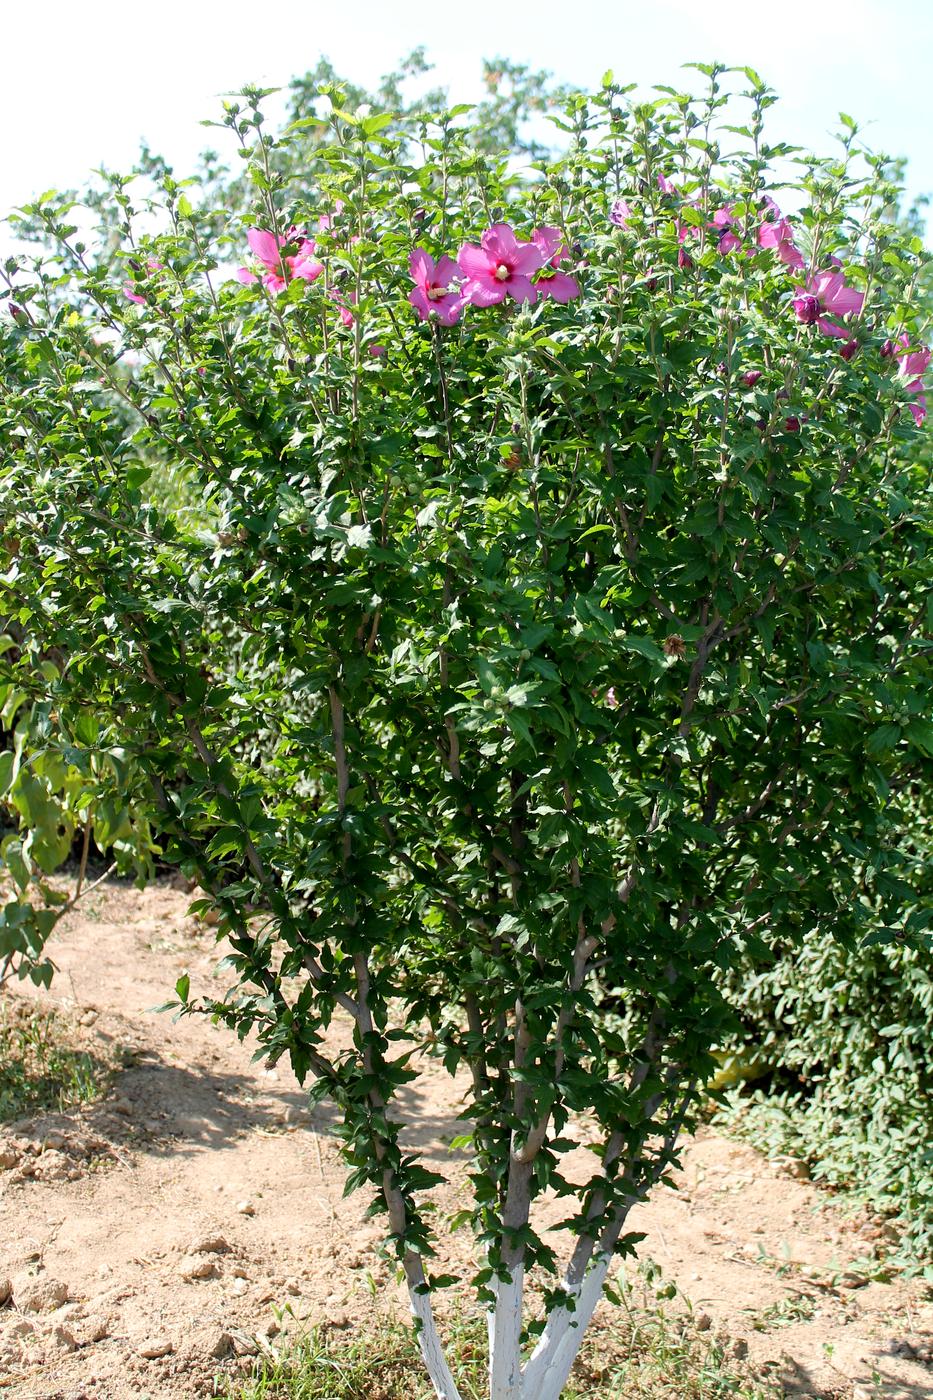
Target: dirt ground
x,y
151,1241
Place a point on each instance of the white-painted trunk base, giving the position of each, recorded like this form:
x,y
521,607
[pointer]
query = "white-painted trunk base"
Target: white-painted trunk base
x,y
505,1330
549,1365
432,1351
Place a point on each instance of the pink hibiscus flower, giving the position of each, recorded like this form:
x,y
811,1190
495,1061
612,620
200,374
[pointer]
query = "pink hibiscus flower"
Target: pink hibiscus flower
x,y
827,295
343,310
620,213
499,267
778,235
559,285
666,186
723,223
911,366
281,269
129,288
432,290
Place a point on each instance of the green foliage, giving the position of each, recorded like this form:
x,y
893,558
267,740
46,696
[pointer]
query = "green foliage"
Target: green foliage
x,y
504,662
39,1070
846,1032
53,792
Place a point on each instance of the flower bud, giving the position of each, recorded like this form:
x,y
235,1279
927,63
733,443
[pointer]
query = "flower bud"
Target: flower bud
x,y
792,424
887,350
751,377
849,350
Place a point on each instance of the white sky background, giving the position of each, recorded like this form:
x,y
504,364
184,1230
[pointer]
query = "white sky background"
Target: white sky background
x,y
84,83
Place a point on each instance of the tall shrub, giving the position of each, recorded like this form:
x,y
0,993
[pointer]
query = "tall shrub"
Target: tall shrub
x,y
578,586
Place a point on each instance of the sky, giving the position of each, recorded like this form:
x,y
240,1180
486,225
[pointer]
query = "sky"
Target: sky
x,y
83,84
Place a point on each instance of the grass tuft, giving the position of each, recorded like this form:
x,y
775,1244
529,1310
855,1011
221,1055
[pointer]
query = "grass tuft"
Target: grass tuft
x,y
40,1072
644,1354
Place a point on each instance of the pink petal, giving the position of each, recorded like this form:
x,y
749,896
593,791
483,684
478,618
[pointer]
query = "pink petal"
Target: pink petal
x,y
918,409
550,241
133,296
445,271
561,287
826,286
246,277
790,254
448,310
483,291
474,262
521,288
527,259
846,302
419,300
500,242
305,268
420,267
829,328
266,247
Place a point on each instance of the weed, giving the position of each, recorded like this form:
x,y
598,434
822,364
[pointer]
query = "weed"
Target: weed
x,y
644,1355
39,1070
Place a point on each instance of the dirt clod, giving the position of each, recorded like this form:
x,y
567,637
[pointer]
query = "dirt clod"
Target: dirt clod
x,y
34,1293
155,1347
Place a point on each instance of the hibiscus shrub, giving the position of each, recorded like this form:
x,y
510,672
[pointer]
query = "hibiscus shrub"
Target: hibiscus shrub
x,y
550,629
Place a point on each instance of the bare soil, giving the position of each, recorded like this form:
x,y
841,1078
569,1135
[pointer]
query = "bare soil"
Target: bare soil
x,y
151,1241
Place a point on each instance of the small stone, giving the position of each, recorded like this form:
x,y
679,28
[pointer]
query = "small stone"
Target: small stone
x,y
96,1329
292,1286
339,1320
740,1349
192,1267
8,1158
797,1169
223,1345
21,1329
122,1106
154,1347
245,1208
89,1017
244,1344
53,1142
61,1339
238,1271
209,1244
862,1392
6,1291
703,1322
238,1287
